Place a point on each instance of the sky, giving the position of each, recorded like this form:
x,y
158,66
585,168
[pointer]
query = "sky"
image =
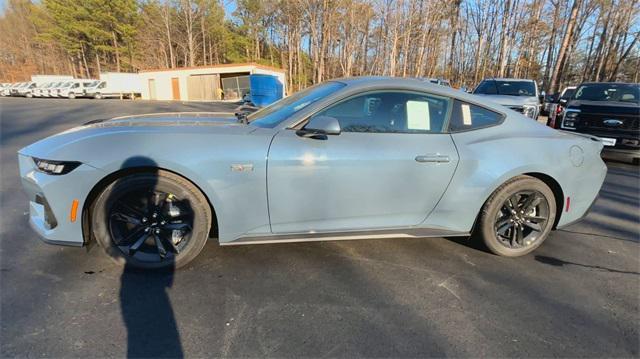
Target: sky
x,y
229,7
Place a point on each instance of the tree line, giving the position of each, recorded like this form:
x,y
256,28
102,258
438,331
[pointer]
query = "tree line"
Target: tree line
x,y
556,42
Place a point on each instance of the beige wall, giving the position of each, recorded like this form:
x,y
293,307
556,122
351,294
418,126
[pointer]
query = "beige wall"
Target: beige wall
x,y
163,78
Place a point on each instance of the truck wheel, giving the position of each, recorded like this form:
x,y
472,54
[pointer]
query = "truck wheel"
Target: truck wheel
x,y
97,96
29,95
72,95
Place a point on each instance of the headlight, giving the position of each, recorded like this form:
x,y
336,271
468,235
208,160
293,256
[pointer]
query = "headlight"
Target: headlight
x,y
570,119
529,111
55,167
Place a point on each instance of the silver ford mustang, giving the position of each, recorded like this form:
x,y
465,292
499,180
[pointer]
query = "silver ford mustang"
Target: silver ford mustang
x,y
358,158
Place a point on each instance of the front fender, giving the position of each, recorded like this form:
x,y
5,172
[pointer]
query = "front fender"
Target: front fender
x,y
199,154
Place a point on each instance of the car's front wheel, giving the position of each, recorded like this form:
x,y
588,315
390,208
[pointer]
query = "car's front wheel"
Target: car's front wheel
x,y
518,217
151,220
72,95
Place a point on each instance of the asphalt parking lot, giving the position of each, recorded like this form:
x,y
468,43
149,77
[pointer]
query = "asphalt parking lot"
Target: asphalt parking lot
x,y
576,296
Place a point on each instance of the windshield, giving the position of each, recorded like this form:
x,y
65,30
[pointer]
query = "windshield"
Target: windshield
x,y
91,84
608,92
509,88
66,84
567,94
279,111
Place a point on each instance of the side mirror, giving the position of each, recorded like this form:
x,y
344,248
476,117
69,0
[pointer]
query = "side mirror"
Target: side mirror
x,y
319,127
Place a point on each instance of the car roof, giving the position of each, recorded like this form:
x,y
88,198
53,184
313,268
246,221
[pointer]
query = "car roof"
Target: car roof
x,y
375,83
507,79
610,83
394,82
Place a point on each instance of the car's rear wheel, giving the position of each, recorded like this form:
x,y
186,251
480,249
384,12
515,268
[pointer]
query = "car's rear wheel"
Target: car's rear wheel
x,y
151,220
518,217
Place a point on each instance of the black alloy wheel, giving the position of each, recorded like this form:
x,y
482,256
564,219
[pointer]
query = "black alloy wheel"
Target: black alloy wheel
x,y
151,220
522,219
517,217
150,225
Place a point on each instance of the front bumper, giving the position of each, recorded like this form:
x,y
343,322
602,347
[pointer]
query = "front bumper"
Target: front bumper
x,y
626,146
51,197
621,154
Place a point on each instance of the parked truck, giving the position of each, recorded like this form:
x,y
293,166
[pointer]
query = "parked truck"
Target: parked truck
x,y
39,82
41,79
115,84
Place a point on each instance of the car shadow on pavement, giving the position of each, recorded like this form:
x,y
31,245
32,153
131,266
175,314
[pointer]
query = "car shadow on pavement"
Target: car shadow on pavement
x,y
561,263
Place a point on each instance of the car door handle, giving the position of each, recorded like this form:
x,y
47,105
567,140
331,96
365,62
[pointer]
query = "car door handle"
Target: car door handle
x,y
433,158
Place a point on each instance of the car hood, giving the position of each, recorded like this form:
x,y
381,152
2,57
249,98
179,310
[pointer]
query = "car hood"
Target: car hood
x,y
608,108
169,119
148,126
506,100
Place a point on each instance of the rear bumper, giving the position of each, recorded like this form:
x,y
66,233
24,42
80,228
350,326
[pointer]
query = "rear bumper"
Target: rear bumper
x,y
582,188
579,219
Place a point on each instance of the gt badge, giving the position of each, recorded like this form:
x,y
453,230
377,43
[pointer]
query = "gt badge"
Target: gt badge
x,y
242,167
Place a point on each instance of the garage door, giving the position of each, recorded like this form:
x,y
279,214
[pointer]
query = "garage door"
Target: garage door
x,y
202,87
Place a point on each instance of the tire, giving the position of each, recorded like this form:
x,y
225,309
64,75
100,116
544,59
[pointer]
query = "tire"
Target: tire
x,y
28,95
97,96
72,95
120,214
506,228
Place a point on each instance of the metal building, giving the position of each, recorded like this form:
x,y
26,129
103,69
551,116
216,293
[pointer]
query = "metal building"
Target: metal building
x,y
203,83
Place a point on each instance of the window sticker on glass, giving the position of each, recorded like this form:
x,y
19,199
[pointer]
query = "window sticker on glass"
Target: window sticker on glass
x,y
418,115
466,114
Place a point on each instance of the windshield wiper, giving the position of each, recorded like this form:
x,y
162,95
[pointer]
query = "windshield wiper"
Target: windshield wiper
x,y
242,113
242,117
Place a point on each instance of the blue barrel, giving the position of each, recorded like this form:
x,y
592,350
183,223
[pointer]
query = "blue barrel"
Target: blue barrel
x,y
265,89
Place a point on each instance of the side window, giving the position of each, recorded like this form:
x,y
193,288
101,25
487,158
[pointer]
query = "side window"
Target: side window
x,y
75,86
102,85
466,116
391,112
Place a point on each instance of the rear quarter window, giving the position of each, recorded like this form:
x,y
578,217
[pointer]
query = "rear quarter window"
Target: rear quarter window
x,y
466,116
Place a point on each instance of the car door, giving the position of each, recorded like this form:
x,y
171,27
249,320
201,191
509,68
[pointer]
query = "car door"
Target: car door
x,y
387,169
